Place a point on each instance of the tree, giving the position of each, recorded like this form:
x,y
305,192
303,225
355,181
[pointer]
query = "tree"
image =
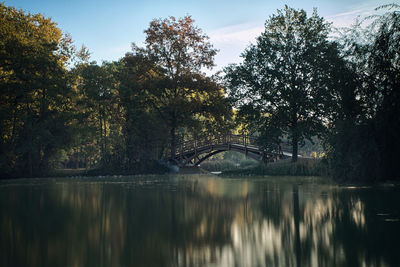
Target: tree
x,y
363,141
384,65
34,91
144,132
183,94
99,114
285,77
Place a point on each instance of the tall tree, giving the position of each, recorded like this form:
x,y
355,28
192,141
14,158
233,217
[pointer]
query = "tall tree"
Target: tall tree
x,y
285,76
34,91
363,139
99,109
384,65
144,132
184,92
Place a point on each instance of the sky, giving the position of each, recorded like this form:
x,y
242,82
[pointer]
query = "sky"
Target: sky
x,y
107,28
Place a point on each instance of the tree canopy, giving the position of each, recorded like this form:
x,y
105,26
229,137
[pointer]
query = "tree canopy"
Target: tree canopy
x,y
283,82
297,83
34,93
184,97
363,141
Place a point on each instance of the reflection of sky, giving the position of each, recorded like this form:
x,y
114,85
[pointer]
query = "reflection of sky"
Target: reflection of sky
x,y
257,241
196,220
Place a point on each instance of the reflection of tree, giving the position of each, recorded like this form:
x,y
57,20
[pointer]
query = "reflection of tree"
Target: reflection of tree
x,y
199,221
296,218
29,219
365,237
98,224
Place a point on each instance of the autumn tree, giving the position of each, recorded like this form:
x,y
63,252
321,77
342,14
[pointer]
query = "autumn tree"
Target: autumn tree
x,y
34,91
283,82
183,93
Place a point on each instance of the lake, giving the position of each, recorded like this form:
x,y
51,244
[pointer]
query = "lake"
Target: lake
x,y
197,220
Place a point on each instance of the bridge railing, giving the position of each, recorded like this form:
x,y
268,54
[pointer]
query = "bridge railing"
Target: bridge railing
x,y
187,146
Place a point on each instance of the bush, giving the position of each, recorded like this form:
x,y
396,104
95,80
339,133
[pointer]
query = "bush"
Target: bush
x,y
143,167
303,167
220,165
248,163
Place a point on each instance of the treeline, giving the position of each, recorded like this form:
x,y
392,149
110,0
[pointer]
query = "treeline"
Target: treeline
x,y
299,81
59,110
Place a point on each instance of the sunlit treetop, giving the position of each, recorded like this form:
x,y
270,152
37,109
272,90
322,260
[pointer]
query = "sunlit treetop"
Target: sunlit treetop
x,y
179,46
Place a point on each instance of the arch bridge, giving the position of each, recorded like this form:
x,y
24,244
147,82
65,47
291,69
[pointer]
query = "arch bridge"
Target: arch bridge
x,y
196,151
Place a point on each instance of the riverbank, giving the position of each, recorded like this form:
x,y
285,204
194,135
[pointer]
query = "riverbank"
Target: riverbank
x,y
303,167
142,168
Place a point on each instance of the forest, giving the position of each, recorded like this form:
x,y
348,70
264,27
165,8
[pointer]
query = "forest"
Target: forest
x,y
302,79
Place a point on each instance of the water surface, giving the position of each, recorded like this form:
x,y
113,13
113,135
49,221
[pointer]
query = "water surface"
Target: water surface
x,y
197,220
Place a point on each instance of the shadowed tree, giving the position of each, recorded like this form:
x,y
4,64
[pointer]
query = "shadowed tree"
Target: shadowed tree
x,y
364,141
34,100
384,64
285,77
144,132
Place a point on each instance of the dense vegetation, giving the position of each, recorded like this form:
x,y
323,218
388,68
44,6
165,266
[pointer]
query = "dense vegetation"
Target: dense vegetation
x,y
284,79
58,110
297,83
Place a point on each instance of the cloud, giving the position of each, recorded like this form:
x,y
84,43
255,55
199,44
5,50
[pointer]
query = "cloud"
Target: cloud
x,y
346,19
346,14
242,33
232,41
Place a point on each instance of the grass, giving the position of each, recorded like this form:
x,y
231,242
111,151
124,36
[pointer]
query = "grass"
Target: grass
x,y
218,165
303,167
145,167
225,165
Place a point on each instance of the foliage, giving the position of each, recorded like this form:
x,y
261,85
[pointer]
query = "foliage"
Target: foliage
x,y
58,109
218,165
128,113
228,160
143,128
363,140
283,84
303,167
185,98
35,96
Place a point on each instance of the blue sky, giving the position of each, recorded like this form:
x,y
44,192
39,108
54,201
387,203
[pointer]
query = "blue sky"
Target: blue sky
x,y
108,28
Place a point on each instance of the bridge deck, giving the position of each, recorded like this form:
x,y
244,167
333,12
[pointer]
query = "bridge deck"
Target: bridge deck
x,y
191,151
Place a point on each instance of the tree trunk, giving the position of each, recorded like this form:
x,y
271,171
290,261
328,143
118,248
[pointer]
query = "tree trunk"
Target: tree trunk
x,y
105,145
173,134
128,140
101,135
295,147
295,137
30,138
14,123
173,141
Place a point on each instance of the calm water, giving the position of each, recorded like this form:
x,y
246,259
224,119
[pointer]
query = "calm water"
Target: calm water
x,y
197,220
